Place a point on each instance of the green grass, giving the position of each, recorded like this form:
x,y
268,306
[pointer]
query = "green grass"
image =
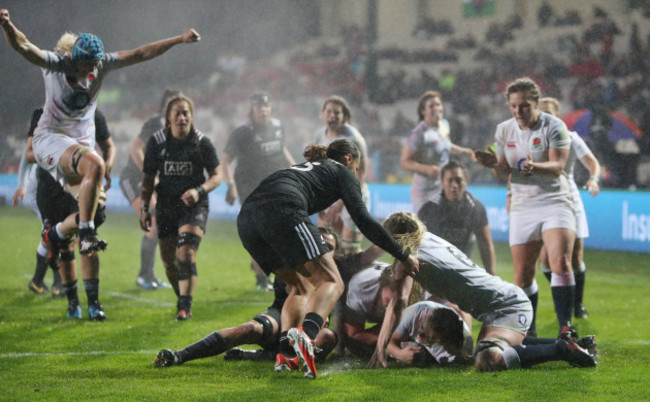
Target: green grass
x,y
44,356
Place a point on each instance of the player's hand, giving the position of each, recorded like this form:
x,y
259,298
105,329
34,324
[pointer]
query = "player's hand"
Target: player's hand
x,y
107,181
527,167
593,187
4,16
486,158
434,171
411,265
190,36
18,197
190,197
378,359
231,194
145,221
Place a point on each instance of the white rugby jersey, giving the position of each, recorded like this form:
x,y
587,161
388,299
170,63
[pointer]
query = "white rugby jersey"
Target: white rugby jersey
x,y
579,150
432,147
412,324
70,108
448,273
516,144
360,304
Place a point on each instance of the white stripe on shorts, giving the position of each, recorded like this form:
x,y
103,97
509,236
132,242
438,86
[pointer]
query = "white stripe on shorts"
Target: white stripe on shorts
x,y
308,241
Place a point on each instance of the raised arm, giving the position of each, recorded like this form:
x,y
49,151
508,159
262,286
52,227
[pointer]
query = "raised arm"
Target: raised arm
x,y
19,42
155,49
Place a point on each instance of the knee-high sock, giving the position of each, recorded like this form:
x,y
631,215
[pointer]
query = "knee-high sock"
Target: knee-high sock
x,y
147,257
563,289
41,264
532,292
70,290
92,291
312,325
579,276
531,355
211,345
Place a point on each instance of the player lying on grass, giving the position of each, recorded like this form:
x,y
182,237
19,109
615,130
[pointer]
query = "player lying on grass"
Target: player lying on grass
x,y
503,308
264,329
416,338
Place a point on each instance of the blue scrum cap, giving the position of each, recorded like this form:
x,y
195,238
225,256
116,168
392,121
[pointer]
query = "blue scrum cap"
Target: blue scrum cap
x,y
87,47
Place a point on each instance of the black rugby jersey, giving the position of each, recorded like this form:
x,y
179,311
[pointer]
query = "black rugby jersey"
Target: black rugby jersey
x,y
454,222
179,163
314,186
259,150
149,127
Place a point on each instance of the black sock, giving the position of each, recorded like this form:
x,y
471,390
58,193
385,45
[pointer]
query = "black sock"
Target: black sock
x,y
92,291
580,286
547,274
56,278
563,299
534,298
70,290
147,257
41,269
312,325
531,355
211,345
185,303
284,346
537,341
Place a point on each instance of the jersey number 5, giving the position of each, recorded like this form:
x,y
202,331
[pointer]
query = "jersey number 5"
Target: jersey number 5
x,y
305,167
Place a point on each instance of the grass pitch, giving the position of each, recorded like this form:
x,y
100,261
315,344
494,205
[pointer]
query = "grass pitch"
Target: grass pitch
x,y
44,356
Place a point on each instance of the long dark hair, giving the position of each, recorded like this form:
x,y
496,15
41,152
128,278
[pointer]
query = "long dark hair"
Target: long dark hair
x,y
337,151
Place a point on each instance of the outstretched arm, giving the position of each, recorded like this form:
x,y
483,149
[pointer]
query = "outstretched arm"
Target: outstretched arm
x,y
19,41
155,49
404,282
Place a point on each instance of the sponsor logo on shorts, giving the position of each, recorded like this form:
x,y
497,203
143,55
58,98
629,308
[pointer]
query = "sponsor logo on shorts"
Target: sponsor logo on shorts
x,y
178,168
511,144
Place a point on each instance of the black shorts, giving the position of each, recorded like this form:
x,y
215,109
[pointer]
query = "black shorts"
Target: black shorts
x,y
170,215
54,203
131,185
279,235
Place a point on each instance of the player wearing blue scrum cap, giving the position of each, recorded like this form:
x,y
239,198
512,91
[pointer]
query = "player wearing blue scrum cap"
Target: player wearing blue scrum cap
x,y
64,139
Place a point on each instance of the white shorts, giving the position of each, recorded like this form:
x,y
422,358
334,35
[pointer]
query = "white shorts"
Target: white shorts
x,y
582,228
345,215
516,317
529,224
30,192
48,149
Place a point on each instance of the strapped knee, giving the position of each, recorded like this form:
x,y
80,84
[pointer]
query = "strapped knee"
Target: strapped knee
x,y
189,239
186,270
267,325
76,157
487,351
67,255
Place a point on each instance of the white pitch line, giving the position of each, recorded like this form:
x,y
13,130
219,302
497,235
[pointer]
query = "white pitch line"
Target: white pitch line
x,y
157,303
90,353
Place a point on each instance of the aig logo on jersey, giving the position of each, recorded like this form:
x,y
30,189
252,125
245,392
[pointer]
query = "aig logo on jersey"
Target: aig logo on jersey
x,y
178,168
536,144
